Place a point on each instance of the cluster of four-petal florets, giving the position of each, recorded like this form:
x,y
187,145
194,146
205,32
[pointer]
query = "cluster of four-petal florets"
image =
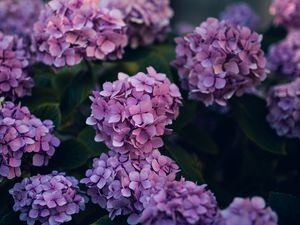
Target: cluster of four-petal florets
x,y
133,178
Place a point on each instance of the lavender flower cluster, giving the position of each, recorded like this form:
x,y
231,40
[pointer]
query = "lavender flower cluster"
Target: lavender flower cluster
x,y
249,211
240,14
181,202
284,109
14,60
18,16
286,12
48,199
118,182
218,60
21,133
131,114
68,31
284,57
147,20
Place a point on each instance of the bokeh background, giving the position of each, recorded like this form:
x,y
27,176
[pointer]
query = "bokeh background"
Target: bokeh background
x,y
195,11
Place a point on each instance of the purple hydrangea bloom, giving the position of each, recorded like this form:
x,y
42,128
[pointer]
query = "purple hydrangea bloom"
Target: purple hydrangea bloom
x,y
131,114
21,133
48,199
284,109
147,20
18,16
180,203
286,12
249,212
14,60
70,30
284,57
240,14
118,182
218,60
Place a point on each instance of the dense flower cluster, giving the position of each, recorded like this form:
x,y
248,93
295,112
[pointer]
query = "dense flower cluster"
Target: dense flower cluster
x,y
48,199
118,182
218,60
18,17
284,109
240,14
284,57
286,12
180,203
147,20
70,30
20,133
14,60
249,211
131,114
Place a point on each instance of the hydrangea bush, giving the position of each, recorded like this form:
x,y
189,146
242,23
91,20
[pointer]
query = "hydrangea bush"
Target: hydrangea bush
x,y
111,113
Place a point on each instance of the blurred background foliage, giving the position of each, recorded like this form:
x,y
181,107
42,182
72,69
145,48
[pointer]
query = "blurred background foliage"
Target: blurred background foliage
x,y
234,151
195,11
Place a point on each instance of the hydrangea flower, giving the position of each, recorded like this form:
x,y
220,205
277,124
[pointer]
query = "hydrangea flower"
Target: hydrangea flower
x,y
14,59
147,20
48,199
118,182
284,109
250,211
284,57
131,113
286,12
21,133
218,60
70,30
240,14
180,203
18,16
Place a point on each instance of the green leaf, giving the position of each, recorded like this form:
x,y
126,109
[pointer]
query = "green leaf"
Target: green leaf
x,y
251,112
76,92
49,111
199,140
71,154
107,221
87,137
40,96
189,164
186,116
286,206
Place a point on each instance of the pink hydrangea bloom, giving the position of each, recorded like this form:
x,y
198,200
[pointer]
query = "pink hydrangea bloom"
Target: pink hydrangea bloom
x,y
286,12
48,199
18,16
218,60
14,60
249,211
147,20
118,182
180,203
284,109
22,133
70,30
284,57
131,114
